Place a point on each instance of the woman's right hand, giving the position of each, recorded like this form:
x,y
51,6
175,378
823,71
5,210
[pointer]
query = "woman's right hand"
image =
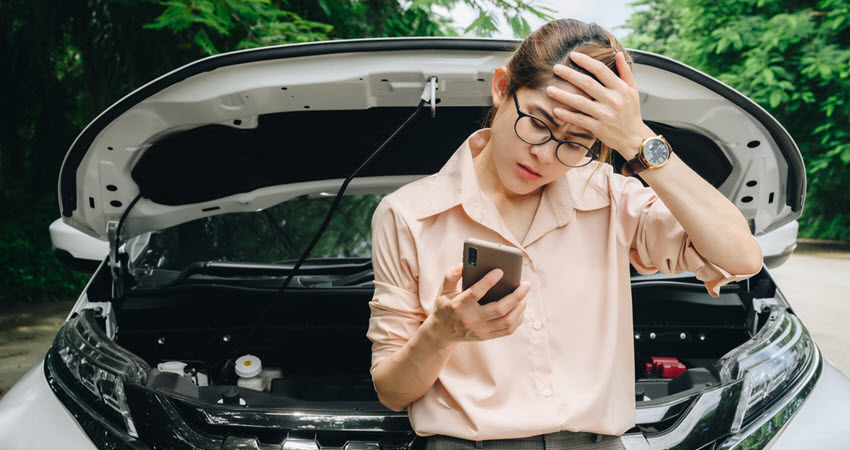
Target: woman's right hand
x,y
459,317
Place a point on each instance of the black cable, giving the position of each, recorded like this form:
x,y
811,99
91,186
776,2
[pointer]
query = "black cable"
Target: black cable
x,y
124,216
261,317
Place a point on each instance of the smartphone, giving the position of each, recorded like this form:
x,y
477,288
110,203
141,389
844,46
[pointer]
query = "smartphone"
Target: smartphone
x,y
480,257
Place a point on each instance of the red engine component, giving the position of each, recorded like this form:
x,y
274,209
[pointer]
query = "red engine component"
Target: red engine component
x,y
665,367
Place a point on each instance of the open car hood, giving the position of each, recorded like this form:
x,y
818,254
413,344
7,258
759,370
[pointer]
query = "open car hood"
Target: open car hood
x,y
245,130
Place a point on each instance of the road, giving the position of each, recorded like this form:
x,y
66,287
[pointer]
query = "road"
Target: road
x,y
26,332
816,282
818,286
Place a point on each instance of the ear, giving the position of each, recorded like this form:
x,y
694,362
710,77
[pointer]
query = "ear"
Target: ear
x,y
498,88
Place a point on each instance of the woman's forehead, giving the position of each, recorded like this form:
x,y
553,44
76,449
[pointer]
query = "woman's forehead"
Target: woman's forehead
x,y
537,102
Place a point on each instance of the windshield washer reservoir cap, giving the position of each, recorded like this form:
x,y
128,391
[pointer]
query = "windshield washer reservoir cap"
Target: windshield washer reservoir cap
x,y
178,367
248,366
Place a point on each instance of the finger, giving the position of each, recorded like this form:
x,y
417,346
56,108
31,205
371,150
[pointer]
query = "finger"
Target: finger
x,y
624,70
578,119
587,84
477,290
579,102
507,303
510,318
508,330
598,68
451,279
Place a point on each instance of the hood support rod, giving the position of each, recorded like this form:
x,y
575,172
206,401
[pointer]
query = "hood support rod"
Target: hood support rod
x,y
428,96
117,260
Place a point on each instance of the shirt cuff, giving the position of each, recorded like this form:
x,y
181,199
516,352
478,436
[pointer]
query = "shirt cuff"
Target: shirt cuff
x,y
396,314
715,276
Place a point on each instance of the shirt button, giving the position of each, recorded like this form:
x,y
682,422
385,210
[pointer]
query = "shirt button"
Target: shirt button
x,y
537,325
547,392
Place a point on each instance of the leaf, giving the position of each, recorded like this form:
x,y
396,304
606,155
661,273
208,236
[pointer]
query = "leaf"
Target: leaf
x,y
776,97
203,41
323,4
845,155
482,25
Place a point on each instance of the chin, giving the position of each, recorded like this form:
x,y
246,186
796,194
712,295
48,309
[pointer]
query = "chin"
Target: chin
x,y
521,186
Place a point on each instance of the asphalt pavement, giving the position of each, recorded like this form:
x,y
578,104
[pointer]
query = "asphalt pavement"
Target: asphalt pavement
x,y
26,332
816,280
817,284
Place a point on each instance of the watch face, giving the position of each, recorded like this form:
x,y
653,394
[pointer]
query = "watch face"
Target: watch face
x,y
656,152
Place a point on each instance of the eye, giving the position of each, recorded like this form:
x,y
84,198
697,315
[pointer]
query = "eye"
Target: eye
x,y
538,124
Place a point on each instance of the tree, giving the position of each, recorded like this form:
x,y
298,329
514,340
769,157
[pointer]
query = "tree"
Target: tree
x,y
65,62
791,57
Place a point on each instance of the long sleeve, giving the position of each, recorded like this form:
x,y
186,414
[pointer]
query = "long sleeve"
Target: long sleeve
x,y
658,242
396,312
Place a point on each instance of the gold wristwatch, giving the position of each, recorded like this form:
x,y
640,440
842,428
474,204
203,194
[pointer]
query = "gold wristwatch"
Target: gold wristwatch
x,y
654,152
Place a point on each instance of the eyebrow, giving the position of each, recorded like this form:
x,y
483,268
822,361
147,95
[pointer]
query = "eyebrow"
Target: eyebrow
x,y
551,120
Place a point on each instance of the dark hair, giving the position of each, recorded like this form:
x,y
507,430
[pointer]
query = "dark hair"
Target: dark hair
x,y
531,64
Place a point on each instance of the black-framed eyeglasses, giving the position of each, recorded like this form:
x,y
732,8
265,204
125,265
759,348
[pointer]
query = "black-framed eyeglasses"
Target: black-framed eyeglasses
x,y
531,130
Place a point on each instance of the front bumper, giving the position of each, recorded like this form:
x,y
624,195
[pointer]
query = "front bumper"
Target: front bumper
x,y
101,431
816,413
768,426
823,420
32,417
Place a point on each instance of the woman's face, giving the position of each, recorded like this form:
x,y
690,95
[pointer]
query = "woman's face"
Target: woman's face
x,y
524,168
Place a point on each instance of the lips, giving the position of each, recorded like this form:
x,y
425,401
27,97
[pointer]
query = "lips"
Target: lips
x,y
527,172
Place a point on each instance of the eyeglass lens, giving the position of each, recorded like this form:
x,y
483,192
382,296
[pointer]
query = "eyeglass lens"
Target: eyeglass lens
x,y
533,131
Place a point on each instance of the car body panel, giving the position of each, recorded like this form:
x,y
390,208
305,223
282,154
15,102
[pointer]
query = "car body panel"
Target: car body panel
x,y
767,182
778,245
823,419
31,417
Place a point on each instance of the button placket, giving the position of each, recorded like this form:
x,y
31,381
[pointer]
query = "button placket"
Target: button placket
x,y
538,312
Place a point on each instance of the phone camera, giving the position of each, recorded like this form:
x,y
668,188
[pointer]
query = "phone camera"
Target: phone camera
x,y
473,256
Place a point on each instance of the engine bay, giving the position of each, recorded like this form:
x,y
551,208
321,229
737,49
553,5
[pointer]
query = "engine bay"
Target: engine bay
x,y
312,352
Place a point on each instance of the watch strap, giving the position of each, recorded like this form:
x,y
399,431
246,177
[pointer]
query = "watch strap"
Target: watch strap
x,y
636,165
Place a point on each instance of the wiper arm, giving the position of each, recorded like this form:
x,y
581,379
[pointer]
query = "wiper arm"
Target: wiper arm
x,y
348,280
225,269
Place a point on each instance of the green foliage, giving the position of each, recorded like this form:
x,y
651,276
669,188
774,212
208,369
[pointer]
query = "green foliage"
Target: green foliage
x,y
257,23
793,58
28,269
65,62
224,25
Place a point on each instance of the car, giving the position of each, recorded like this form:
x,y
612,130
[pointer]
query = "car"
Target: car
x,y
206,187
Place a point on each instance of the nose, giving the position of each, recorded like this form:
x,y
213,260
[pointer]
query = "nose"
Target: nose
x,y
545,153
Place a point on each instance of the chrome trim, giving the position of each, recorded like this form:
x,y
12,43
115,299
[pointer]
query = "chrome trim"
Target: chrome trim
x,y
645,415
296,420
771,422
634,441
300,444
711,415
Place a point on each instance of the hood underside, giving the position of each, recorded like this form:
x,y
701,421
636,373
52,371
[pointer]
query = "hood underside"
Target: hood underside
x,y
246,130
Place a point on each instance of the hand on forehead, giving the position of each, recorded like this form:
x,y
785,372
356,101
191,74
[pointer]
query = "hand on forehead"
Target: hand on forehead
x,y
543,106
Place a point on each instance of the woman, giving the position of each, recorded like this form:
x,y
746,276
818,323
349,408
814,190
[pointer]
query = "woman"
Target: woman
x,y
550,365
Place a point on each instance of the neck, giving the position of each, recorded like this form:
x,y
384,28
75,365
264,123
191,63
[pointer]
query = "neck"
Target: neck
x,y
491,184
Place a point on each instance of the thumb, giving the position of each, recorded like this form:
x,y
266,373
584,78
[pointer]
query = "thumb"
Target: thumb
x,y
451,279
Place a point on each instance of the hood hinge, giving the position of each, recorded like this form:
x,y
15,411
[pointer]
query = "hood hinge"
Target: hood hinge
x,y
116,263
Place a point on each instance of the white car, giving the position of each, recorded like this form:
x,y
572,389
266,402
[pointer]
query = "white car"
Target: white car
x,y
206,185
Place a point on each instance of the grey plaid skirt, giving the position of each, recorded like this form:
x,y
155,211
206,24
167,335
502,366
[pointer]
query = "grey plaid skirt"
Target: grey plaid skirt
x,y
549,441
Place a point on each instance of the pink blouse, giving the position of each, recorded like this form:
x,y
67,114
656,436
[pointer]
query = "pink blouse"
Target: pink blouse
x,y
569,366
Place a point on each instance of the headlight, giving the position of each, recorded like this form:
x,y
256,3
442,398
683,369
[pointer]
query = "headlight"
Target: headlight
x,y
99,365
770,363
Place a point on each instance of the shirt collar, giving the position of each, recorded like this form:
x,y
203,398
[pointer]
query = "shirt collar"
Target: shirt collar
x,y
457,184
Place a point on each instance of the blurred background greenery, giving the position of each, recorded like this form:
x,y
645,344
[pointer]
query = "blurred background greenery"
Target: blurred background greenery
x,y
66,61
